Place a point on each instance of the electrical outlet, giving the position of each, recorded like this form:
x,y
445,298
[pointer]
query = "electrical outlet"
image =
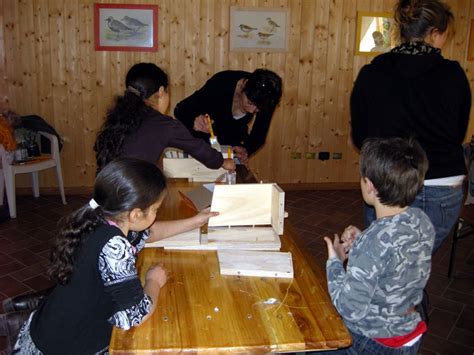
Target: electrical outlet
x,y
310,155
295,155
337,156
323,156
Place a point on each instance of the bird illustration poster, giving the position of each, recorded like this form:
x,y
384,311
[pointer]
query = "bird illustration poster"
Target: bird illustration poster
x,y
120,27
259,29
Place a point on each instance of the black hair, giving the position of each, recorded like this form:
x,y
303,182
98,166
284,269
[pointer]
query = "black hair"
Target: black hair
x,y
396,167
415,19
126,116
263,88
122,185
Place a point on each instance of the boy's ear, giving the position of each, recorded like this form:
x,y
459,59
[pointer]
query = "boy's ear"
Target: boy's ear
x,y
135,215
370,186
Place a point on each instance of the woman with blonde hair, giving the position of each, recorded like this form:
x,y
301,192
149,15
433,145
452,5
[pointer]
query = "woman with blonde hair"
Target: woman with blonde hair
x,y
413,91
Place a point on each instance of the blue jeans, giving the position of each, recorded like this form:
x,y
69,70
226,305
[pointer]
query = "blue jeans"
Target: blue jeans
x,y
366,346
442,204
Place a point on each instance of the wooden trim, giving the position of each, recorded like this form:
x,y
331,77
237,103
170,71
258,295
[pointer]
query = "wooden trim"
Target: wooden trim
x,y
320,186
470,50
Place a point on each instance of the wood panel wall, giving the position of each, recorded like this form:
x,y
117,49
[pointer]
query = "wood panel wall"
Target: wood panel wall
x,y
50,68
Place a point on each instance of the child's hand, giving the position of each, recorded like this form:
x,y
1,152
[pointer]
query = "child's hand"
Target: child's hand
x,y
158,274
336,249
349,235
229,164
203,216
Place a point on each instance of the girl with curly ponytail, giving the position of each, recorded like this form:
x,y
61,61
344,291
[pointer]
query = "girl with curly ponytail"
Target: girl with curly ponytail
x,y
137,125
93,263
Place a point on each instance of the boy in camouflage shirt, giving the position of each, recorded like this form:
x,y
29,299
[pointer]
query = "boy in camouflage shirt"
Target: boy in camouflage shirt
x,y
389,263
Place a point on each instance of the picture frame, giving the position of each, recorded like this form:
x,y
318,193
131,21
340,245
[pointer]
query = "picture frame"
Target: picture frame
x,y
374,33
258,29
470,47
126,27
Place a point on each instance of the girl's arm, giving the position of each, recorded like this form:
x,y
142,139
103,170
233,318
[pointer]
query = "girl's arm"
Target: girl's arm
x,y
132,304
164,229
155,279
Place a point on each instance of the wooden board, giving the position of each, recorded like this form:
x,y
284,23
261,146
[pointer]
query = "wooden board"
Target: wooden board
x,y
183,239
278,209
242,205
236,238
190,168
255,263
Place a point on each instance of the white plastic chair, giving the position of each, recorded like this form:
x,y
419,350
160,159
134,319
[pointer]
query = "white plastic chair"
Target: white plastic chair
x,y
9,170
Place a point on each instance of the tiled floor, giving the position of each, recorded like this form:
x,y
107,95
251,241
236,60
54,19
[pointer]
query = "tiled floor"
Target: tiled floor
x,y
25,243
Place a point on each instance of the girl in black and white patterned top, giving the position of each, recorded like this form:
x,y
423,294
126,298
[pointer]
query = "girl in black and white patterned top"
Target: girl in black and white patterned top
x,y
93,264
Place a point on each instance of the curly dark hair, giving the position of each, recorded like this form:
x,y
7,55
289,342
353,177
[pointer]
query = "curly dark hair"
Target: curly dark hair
x,y
415,19
122,185
126,116
263,88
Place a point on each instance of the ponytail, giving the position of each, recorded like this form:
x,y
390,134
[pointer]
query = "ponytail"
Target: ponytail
x,y
73,228
123,119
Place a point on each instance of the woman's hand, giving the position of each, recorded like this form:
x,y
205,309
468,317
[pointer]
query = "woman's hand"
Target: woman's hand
x,y
241,153
229,164
203,216
201,124
157,273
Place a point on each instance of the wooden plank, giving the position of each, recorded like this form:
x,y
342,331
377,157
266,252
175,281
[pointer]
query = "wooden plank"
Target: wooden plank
x,y
278,209
189,238
177,52
236,238
190,168
254,263
240,234
242,205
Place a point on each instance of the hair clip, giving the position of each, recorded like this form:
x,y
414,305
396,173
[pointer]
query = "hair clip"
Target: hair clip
x,y
133,90
93,204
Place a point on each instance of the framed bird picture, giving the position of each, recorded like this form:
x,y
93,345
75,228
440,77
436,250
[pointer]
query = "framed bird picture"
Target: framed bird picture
x,y
259,29
124,27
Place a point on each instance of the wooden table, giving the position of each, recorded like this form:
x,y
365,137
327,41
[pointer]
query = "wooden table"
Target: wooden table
x,y
201,311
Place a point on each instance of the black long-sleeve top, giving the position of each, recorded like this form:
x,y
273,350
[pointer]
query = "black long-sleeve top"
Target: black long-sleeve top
x,y
215,99
104,290
422,96
157,132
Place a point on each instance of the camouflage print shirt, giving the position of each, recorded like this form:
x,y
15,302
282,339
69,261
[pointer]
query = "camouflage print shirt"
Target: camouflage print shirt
x,y
388,267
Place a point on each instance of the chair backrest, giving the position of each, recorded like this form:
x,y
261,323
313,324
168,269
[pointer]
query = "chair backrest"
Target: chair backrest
x,y
469,159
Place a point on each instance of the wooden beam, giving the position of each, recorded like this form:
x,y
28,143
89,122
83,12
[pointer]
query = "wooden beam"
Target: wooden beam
x,y
255,263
